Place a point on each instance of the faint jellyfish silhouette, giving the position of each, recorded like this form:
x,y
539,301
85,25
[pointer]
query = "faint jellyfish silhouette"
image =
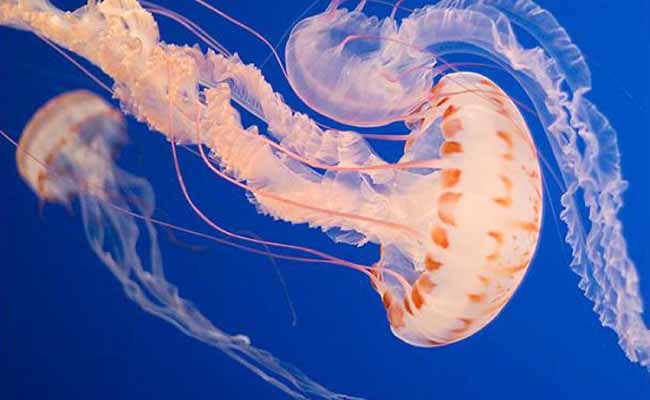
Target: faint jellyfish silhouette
x,y
66,153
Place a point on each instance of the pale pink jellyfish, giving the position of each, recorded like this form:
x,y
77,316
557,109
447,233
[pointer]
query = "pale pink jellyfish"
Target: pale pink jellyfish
x,y
66,155
474,261
458,217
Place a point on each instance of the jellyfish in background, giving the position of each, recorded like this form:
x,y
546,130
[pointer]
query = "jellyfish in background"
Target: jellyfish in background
x,y
66,153
458,216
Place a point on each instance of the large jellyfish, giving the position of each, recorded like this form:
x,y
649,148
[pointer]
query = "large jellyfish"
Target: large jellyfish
x,y
457,217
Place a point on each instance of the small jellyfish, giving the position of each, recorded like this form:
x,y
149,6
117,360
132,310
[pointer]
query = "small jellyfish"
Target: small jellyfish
x,y
66,154
66,146
358,69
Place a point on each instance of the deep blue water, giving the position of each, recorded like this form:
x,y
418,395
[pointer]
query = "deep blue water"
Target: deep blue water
x,y
69,332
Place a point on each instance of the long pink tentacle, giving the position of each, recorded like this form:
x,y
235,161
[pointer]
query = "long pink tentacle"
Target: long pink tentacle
x,y
190,25
395,7
328,259
76,64
228,233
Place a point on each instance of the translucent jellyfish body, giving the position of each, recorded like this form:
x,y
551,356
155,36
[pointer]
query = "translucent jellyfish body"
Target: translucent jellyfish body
x,y
357,69
66,145
483,223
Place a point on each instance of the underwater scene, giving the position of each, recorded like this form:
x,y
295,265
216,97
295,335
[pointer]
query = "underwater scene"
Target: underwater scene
x,y
327,199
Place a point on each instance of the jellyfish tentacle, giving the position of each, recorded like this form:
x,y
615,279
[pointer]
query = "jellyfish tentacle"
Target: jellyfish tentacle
x,y
294,131
143,95
244,156
190,25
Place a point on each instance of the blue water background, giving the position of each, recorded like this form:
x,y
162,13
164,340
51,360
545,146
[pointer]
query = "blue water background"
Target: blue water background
x,y
67,331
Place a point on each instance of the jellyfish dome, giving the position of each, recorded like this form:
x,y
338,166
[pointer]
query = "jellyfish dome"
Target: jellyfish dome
x,y
474,261
68,142
357,69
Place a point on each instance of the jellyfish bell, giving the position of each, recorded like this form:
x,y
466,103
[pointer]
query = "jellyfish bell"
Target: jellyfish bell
x,y
474,261
67,144
357,69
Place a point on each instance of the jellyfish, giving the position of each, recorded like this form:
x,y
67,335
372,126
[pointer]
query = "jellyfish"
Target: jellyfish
x,y
66,154
458,217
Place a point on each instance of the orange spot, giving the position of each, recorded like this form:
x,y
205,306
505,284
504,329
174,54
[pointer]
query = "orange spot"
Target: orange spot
x,y
445,202
492,256
506,182
40,182
451,127
418,300
507,156
450,147
476,298
505,136
516,268
449,198
436,89
446,217
450,177
503,201
435,343
57,150
488,83
439,236
443,101
484,280
498,236
386,299
528,226
500,104
396,317
425,283
407,305
449,111
431,264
